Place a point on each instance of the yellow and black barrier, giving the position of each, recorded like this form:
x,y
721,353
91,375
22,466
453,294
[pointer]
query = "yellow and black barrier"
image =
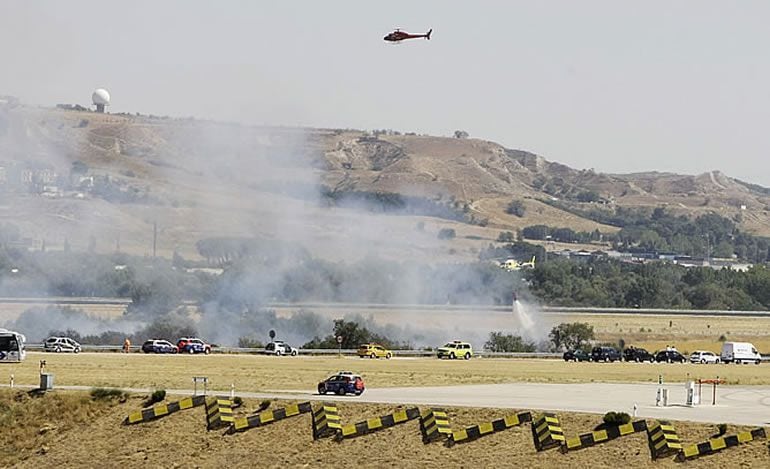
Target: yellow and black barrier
x,y
434,425
219,413
158,411
241,424
663,440
326,421
547,432
714,445
477,431
600,436
377,423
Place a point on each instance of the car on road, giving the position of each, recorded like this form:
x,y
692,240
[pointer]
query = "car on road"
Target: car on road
x,y
159,346
344,382
605,354
373,351
61,344
279,347
193,345
576,355
704,356
740,352
455,349
670,356
637,354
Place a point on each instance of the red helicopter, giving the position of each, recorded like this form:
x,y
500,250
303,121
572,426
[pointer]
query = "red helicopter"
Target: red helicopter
x,y
398,36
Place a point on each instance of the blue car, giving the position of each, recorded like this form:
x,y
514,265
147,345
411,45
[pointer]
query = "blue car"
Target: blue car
x,y
159,346
344,382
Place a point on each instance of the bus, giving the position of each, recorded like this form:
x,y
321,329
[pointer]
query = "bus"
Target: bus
x,y
11,346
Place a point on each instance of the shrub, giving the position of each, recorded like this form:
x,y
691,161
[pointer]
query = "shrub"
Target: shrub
x,y
506,237
516,207
722,338
249,342
721,429
446,233
263,405
616,418
104,394
237,401
157,396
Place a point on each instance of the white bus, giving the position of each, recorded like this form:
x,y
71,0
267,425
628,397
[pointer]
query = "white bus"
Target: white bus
x,y
11,346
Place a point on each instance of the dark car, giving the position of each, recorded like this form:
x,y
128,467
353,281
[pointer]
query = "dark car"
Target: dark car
x,y
159,346
670,356
605,354
636,354
576,355
342,383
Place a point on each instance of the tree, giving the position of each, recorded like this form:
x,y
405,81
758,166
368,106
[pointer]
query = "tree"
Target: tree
x,y
506,237
499,342
78,168
571,335
352,335
461,134
516,207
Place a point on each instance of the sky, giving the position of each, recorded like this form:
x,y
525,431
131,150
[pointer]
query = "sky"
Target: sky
x,y
615,86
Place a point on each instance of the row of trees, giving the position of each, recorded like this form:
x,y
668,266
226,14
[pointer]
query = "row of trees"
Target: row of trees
x,y
659,230
609,283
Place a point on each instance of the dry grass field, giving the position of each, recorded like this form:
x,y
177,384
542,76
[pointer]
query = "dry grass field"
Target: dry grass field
x,y
70,430
687,333
261,373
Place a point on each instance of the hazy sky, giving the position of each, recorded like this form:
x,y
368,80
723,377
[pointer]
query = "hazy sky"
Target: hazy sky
x,y
612,85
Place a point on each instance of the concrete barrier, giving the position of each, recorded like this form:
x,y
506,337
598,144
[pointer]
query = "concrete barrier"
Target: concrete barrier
x,y
241,424
326,421
162,410
477,431
547,432
600,436
434,425
663,440
376,424
716,445
219,413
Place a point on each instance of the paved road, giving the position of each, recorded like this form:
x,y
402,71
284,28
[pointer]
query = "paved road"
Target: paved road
x,y
745,405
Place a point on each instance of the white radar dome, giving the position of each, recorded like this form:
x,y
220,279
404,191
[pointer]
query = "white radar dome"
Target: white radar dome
x,y
101,97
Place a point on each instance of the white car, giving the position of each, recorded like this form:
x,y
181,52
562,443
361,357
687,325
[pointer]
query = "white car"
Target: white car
x,y
61,344
702,356
280,347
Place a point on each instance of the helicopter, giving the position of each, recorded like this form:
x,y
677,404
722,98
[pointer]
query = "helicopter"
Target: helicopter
x,y
398,36
512,265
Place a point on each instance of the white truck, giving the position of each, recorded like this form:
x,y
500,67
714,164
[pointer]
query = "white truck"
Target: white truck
x,y
740,352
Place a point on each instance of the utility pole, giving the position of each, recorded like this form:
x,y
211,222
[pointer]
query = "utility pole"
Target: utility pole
x,y
154,239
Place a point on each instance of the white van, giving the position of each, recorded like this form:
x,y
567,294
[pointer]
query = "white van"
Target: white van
x,y
11,346
740,352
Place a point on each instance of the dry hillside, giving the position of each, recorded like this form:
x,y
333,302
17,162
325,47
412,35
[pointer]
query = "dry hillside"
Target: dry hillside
x,y
104,180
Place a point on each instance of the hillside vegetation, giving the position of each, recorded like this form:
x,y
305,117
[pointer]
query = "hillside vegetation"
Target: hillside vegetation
x,y
103,182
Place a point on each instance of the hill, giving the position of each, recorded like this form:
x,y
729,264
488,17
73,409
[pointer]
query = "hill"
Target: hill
x,y
104,181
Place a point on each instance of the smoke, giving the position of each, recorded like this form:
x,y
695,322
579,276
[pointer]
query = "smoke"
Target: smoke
x,y
198,180
37,323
